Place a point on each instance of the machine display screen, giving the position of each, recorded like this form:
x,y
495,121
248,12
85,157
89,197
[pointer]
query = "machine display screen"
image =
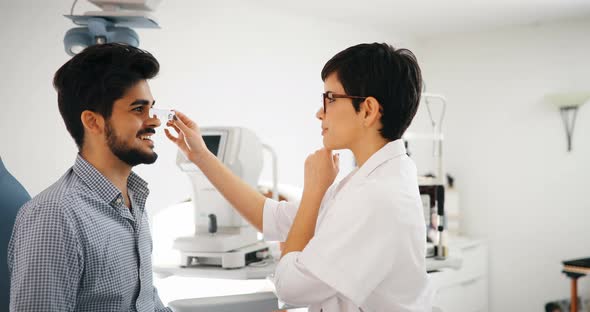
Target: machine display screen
x,y
212,142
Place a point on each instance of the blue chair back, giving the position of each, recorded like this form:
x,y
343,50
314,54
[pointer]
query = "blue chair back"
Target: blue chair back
x,y
12,197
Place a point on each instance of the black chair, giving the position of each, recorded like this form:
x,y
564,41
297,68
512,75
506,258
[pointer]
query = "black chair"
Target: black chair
x,y
12,197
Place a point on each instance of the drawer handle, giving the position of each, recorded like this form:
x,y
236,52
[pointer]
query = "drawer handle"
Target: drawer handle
x,y
469,282
467,248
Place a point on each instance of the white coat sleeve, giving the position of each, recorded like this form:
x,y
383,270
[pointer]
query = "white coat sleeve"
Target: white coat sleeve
x,y
295,285
277,218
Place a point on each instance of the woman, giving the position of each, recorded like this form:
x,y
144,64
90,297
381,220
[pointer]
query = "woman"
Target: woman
x,y
358,245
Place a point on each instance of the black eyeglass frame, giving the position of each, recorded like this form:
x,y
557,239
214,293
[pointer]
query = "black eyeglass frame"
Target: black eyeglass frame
x,y
329,95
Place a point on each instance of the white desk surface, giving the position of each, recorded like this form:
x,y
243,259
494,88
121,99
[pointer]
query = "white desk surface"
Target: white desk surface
x,y
261,272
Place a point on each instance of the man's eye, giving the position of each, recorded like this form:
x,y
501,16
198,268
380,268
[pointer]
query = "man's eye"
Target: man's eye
x,y
138,109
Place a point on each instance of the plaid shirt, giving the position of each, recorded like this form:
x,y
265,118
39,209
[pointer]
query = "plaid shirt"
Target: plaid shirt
x,y
77,247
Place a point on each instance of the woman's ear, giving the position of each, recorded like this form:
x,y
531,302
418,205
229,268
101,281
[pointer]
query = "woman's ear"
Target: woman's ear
x,y
372,111
93,123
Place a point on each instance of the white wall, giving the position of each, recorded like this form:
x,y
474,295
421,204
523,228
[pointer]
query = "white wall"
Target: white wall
x,y
223,64
519,187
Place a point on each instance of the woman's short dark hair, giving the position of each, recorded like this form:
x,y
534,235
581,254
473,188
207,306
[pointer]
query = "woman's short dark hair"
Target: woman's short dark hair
x,y
95,78
391,76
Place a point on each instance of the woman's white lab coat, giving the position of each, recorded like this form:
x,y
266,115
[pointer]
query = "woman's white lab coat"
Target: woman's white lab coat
x,y
368,251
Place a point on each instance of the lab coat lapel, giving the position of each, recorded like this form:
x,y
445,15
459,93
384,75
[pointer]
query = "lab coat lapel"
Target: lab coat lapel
x,y
388,151
359,175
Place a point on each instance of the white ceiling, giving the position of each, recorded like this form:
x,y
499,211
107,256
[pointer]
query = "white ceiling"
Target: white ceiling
x,y
424,18
408,19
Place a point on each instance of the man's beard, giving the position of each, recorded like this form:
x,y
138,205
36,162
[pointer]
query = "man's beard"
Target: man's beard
x,y
131,156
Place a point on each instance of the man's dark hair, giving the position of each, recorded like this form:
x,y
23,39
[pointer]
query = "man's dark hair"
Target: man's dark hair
x,y
391,76
95,78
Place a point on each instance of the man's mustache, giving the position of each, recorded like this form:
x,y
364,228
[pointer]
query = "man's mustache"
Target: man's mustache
x,y
147,130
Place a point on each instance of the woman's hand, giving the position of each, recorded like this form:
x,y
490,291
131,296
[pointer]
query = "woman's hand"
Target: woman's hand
x,y
189,139
321,168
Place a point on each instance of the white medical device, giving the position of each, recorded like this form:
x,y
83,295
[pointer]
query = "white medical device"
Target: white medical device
x,y
222,237
163,114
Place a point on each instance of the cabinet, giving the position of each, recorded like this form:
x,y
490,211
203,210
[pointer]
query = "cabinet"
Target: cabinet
x,y
464,289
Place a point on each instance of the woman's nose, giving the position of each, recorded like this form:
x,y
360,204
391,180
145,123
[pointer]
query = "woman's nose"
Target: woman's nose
x,y
320,114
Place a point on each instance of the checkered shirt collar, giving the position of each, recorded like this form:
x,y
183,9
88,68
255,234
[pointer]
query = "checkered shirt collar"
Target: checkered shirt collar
x,y
103,186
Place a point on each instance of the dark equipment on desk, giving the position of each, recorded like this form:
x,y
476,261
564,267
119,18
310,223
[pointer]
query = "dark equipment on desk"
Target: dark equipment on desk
x,y
436,194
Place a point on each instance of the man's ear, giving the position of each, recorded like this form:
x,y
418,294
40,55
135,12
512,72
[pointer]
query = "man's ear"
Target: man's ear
x,y
371,110
93,122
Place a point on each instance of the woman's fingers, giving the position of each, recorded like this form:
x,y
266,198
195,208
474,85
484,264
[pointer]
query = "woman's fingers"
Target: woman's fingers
x,y
336,158
181,137
181,125
171,124
170,136
184,119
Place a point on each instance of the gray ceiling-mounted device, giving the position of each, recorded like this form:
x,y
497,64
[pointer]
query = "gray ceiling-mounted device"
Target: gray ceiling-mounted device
x,y
115,23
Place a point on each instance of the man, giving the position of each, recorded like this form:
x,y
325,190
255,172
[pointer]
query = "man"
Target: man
x,y
358,245
84,243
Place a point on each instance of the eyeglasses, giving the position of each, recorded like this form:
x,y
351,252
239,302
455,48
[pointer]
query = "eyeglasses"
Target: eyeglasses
x,y
331,97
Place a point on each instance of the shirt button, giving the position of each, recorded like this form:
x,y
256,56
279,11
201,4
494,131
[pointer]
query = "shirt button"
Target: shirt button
x,y
119,200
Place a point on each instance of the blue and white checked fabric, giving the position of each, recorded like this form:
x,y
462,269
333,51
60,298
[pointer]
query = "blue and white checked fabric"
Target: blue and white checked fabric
x,y
77,247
